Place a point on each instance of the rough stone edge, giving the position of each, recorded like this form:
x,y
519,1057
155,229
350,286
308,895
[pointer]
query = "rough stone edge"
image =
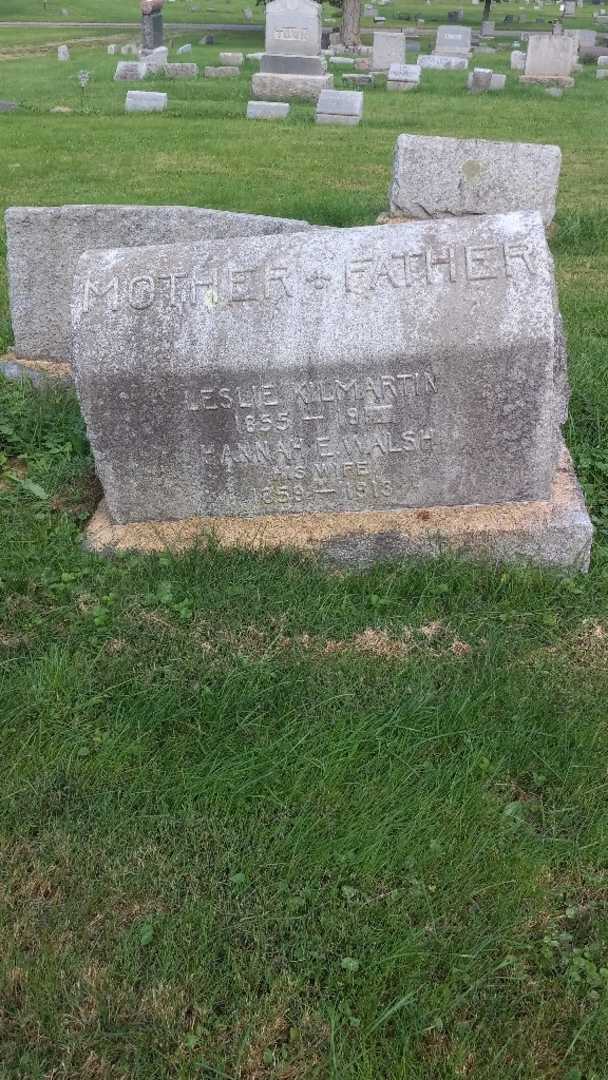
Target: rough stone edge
x,y
557,533
307,90
38,371
565,81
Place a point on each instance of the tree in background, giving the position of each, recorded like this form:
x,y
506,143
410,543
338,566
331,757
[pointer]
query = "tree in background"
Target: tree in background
x,y
350,29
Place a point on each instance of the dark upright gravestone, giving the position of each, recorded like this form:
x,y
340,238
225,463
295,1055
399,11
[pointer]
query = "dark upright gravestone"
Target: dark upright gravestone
x,y
152,23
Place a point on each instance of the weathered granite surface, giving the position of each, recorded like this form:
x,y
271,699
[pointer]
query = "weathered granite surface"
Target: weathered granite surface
x,y
234,59
518,60
435,176
556,533
45,243
223,72
274,64
293,27
403,76
145,101
340,107
550,57
453,41
267,110
130,70
443,63
498,81
412,365
480,80
273,87
181,71
388,48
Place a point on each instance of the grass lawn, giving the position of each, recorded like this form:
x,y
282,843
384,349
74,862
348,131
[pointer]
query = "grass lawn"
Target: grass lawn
x,y
262,821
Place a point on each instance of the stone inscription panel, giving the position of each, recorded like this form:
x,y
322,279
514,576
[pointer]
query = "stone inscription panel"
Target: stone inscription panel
x,y
360,369
293,27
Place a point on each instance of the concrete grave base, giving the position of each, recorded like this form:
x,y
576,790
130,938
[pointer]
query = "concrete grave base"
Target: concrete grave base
x,y
269,86
563,81
556,533
37,371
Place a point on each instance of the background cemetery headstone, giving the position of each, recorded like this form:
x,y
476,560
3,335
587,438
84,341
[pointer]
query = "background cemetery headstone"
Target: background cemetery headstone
x,y
44,244
453,41
403,77
267,110
145,101
152,33
435,176
388,48
292,65
301,334
130,71
443,63
550,59
339,107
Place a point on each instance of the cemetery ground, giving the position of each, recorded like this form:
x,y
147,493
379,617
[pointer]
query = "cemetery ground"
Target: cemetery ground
x,y
396,13
261,819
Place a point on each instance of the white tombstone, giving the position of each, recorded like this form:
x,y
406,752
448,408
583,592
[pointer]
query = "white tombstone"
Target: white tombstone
x,y
453,41
267,110
443,63
156,60
339,107
63,53
388,48
550,58
293,27
145,101
518,60
403,76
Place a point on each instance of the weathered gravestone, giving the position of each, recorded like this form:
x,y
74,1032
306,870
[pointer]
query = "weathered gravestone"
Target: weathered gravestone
x,y
63,53
343,107
292,65
373,369
403,77
181,71
45,242
453,41
156,60
480,80
435,176
518,60
225,72
145,101
387,49
550,60
267,110
130,70
151,23
443,63
8,106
